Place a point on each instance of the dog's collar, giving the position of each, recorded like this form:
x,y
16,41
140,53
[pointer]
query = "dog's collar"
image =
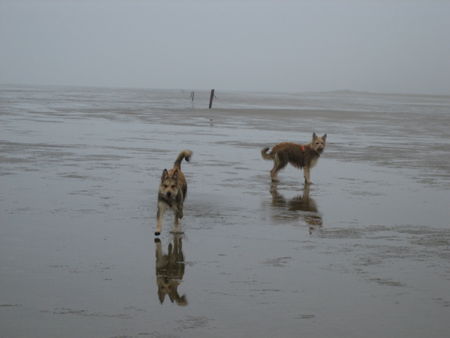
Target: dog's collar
x,y
303,148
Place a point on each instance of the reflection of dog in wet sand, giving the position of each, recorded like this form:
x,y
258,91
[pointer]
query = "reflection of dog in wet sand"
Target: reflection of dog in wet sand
x,y
170,271
172,192
299,155
303,203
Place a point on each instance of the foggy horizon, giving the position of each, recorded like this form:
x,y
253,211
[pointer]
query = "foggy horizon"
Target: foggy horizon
x,y
396,47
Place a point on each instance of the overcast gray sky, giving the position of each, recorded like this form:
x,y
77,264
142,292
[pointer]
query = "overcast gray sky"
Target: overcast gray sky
x,y
267,45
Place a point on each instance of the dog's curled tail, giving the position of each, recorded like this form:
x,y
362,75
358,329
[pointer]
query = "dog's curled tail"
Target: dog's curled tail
x,y
185,154
265,155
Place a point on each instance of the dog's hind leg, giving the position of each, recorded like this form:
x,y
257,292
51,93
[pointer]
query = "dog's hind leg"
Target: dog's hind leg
x,y
278,164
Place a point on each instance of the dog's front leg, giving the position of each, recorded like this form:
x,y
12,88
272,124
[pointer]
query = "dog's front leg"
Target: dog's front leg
x,y
177,225
160,218
178,215
307,174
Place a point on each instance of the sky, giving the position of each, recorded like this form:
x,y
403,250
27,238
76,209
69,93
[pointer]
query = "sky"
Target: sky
x,y
396,46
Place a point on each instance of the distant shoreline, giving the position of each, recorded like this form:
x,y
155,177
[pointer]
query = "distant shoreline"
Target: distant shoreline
x,y
343,92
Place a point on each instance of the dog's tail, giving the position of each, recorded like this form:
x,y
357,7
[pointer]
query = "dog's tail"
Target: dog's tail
x,y
265,155
185,154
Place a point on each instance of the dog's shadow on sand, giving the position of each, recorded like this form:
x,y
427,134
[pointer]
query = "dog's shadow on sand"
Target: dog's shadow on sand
x,y
170,270
299,208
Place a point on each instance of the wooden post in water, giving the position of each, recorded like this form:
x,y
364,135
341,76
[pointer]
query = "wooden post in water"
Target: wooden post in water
x,y
211,98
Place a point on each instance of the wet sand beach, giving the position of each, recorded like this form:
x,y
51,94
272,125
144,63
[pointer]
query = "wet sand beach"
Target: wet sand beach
x,y
363,252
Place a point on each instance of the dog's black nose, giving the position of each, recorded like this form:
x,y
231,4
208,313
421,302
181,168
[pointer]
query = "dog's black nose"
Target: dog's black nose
x,y
168,194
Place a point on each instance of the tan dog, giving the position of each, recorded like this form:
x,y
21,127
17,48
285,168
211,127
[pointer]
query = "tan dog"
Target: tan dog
x,y
299,155
172,192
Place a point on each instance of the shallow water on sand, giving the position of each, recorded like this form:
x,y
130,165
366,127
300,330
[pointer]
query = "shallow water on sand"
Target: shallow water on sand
x,y
364,252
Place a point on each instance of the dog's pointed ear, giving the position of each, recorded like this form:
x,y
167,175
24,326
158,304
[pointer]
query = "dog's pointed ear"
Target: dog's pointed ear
x,y
314,136
164,175
175,174
324,137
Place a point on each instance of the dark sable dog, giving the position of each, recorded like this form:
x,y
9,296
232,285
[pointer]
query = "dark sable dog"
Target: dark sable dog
x,y
299,155
172,192
170,271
